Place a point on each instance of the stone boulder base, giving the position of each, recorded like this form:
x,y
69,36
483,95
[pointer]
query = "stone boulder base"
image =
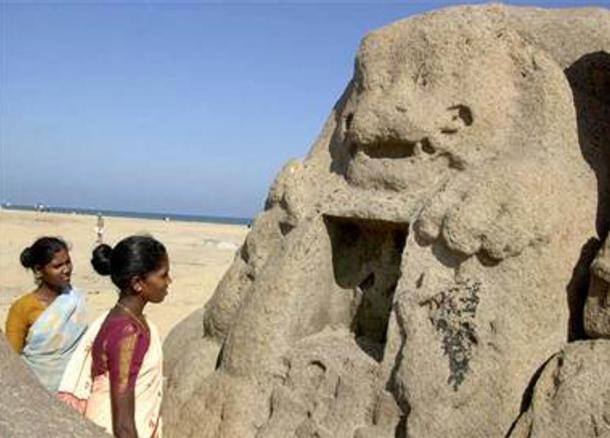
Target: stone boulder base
x,y
572,395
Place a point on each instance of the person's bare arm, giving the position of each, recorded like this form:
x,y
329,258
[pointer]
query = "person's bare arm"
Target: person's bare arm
x,y
123,412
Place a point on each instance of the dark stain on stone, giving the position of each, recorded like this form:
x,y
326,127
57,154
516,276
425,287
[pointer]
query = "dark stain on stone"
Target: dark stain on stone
x,y
452,313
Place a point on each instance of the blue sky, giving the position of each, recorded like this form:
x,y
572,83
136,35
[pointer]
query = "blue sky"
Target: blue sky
x,y
172,107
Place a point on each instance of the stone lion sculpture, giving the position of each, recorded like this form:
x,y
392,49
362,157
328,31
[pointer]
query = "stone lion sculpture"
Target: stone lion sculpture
x,y
414,272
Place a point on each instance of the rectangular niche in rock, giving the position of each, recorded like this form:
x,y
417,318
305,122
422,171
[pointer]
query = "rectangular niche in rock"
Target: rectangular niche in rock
x,y
366,259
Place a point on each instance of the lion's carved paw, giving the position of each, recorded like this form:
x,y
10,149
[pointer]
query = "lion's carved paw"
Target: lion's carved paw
x,y
483,214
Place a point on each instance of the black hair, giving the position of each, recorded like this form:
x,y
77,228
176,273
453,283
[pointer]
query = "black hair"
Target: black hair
x,y
41,252
131,257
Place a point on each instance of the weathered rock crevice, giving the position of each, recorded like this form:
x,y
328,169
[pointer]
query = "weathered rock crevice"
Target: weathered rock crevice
x,y
589,78
366,261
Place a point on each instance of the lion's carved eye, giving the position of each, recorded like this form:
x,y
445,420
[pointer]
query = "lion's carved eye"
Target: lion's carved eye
x,y
462,112
460,117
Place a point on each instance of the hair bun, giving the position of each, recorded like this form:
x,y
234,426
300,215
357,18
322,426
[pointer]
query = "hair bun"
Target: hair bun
x,y
26,258
100,259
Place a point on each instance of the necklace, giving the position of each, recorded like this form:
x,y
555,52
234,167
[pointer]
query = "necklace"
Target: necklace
x,y
131,314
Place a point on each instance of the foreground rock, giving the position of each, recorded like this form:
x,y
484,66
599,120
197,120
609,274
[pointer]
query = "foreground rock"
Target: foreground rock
x,y
28,410
413,273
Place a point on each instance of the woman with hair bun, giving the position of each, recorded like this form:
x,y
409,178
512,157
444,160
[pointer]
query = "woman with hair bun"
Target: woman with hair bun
x,y
115,377
45,325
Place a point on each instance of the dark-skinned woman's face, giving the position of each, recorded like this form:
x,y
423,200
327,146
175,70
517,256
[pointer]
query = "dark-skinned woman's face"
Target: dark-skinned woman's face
x,y
58,272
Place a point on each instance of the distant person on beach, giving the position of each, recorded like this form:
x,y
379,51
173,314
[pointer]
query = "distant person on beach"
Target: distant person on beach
x,y
45,325
99,229
121,386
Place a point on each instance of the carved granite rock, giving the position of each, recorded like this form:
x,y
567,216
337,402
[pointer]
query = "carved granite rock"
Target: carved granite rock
x,y
431,252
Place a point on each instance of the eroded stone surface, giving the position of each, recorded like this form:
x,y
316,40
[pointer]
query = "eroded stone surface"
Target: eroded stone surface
x,y
411,275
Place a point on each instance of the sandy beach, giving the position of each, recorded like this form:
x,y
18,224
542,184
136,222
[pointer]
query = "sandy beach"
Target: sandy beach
x,y
199,253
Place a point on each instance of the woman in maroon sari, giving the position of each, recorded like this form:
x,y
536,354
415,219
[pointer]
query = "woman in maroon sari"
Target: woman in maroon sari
x,y
123,390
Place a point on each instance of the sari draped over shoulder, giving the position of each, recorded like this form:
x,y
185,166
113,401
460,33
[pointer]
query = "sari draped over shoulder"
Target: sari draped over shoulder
x,y
54,336
116,351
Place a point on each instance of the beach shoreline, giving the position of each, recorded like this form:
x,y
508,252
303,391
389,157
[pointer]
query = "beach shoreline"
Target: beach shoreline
x,y
200,253
167,216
